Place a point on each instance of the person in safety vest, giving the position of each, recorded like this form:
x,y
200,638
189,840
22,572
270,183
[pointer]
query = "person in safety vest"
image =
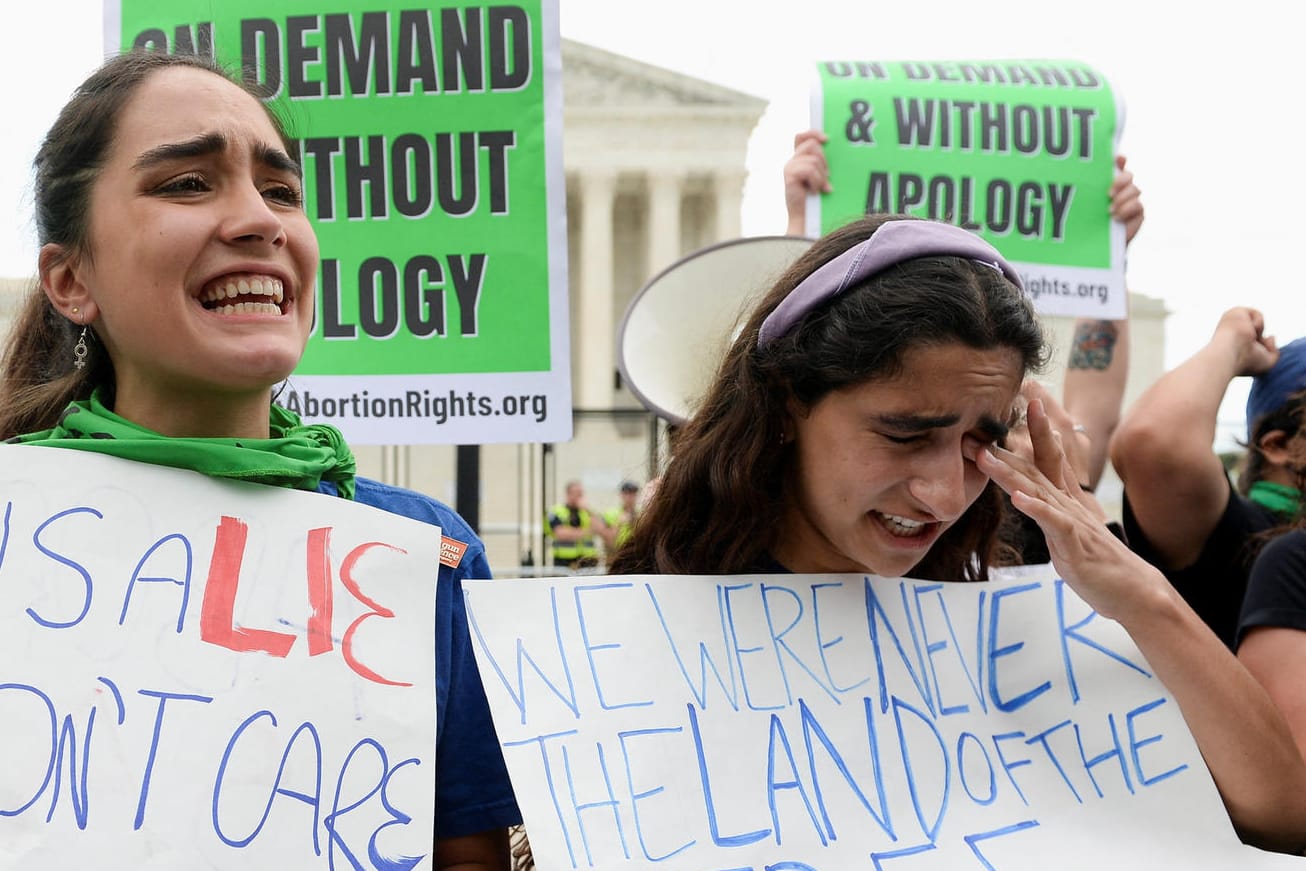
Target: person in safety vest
x,y
619,518
573,528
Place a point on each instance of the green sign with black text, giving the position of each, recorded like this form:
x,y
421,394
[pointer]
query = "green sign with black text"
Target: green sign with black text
x,y
1021,152
431,150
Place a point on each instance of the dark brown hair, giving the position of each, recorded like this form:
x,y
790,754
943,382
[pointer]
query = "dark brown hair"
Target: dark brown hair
x,y
37,376
718,506
1289,418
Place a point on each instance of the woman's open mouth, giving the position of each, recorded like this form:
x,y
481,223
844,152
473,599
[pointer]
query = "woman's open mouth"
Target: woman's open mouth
x,y
903,527
244,295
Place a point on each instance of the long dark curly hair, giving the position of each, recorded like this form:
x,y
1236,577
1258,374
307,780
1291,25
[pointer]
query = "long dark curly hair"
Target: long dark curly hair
x,y
718,505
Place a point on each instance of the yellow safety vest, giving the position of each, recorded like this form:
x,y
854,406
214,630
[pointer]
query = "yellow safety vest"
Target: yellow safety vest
x,y
575,550
612,517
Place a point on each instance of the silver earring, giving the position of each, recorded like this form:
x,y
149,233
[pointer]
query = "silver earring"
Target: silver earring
x,y
80,350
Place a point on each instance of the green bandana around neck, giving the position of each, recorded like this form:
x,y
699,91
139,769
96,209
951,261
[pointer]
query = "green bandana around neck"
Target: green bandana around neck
x,y
1279,498
298,455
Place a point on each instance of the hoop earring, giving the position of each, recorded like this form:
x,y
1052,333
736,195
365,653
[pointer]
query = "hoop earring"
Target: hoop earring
x,y
80,350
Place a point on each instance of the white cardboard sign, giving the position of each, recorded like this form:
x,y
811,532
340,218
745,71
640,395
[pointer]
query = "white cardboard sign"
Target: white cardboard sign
x,y
206,674
811,723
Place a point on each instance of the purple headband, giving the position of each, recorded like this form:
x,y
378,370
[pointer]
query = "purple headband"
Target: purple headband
x,y
892,243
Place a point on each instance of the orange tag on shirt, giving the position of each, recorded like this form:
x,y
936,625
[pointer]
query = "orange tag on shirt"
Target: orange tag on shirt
x,y
451,552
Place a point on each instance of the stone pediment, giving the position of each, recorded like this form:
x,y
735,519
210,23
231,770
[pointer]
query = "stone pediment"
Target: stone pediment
x,y
594,78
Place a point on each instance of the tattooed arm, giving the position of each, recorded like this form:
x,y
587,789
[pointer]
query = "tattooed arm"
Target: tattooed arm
x,y
1095,385
1099,354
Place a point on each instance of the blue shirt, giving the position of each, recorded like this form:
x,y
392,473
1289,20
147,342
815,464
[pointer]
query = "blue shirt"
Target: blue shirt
x,y
473,793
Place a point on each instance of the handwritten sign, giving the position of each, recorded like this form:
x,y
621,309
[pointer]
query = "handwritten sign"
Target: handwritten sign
x,y
430,136
198,673
838,722
1019,151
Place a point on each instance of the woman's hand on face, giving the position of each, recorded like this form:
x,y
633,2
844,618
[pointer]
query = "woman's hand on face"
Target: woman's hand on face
x,y
1073,440
1096,564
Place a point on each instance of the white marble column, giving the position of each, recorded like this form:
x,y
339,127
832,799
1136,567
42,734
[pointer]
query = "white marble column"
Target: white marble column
x,y
728,188
594,339
663,219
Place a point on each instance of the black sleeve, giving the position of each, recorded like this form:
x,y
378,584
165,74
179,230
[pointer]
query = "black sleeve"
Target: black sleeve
x,y
1276,592
1213,585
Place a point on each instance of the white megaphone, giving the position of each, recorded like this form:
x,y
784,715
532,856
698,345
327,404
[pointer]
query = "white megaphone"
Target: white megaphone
x,y
679,326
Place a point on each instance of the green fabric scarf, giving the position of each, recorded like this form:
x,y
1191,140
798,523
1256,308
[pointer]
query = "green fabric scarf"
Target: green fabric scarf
x,y
297,455
1277,497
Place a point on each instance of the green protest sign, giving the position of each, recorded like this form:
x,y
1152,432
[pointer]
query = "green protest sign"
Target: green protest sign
x,y
1021,152
431,148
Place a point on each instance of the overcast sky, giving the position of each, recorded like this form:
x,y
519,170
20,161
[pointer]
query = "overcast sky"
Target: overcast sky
x,y
1213,127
